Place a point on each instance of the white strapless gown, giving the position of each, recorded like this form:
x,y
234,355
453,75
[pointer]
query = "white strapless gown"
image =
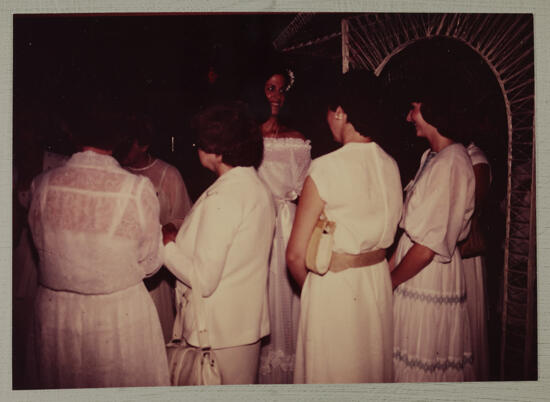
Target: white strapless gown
x,y
284,169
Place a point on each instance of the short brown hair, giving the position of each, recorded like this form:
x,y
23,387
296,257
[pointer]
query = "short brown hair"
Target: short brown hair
x,y
229,130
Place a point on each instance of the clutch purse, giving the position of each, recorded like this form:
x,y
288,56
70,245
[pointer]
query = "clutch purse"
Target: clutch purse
x,y
319,248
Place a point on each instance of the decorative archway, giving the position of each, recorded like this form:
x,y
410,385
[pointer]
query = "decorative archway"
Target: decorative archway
x,y
505,43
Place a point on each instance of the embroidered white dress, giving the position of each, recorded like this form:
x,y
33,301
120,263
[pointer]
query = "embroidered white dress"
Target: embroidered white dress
x,y
174,205
474,273
284,169
431,328
346,326
96,230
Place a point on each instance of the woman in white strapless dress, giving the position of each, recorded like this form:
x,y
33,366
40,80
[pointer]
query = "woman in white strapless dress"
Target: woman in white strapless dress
x,y
284,168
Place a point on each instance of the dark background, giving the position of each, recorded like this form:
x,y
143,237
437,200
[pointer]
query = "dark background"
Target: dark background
x,y
159,65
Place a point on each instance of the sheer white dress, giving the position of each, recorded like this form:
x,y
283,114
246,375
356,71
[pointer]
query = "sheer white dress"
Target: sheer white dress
x,y
174,205
431,327
96,230
284,169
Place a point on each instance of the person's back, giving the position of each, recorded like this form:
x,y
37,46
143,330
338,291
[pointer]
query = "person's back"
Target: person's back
x,y
361,186
96,230
361,190
89,223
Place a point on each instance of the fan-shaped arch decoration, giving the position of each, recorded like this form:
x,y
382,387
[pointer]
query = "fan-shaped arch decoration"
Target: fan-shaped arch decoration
x,y
505,42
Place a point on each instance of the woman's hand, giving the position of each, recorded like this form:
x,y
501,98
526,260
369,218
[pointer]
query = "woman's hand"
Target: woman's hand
x,y
169,233
416,259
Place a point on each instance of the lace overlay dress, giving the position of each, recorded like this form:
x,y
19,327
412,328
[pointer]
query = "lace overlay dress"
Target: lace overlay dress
x,y
96,230
431,327
284,169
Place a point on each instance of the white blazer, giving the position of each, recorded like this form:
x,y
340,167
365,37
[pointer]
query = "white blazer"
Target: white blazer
x,y
226,239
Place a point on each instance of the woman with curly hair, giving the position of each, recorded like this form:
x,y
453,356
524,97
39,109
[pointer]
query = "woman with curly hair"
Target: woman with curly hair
x,y
284,167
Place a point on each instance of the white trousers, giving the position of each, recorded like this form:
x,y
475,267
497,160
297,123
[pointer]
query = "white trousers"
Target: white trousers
x,y
239,364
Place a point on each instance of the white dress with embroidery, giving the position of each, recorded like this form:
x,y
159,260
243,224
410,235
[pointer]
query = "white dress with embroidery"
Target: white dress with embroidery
x,y
474,273
431,327
174,205
96,230
284,169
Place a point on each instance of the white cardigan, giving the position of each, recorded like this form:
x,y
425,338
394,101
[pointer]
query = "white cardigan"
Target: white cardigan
x,y
227,239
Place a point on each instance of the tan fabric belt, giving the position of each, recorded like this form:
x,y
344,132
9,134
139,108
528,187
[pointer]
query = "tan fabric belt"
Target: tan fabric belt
x,y
342,261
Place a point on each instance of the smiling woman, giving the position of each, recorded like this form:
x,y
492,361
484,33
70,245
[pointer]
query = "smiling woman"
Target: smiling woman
x,y
283,169
431,326
275,90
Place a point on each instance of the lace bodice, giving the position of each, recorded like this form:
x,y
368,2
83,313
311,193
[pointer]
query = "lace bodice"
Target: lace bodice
x,y
95,226
285,165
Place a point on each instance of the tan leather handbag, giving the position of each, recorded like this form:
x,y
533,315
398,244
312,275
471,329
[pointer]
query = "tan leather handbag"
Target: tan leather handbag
x,y
319,248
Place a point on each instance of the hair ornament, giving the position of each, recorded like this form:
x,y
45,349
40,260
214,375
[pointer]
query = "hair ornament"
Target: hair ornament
x,y
291,79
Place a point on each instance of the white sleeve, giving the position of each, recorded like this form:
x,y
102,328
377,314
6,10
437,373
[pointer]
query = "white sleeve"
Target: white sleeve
x,y
217,218
440,214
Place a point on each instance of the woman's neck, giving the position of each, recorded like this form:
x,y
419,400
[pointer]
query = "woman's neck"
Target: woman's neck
x,y
222,169
143,161
271,127
438,142
97,150
352,135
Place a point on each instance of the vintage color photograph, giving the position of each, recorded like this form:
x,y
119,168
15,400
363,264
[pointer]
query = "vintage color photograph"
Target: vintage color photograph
x,y
273,198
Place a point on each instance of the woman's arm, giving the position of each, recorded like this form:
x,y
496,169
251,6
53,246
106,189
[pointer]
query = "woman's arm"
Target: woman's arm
x,y
416,259
217,217
307,213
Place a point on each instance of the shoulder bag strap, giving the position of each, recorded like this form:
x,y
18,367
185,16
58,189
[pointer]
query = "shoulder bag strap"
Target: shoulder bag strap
x,y
200,316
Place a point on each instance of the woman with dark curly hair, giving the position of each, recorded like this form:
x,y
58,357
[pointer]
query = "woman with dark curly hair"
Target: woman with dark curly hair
x,y
285,164
226,239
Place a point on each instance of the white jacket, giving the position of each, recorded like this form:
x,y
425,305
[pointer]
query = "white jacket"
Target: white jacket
x,y
227,239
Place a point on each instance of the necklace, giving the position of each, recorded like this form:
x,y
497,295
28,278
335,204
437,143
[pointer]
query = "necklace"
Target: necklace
x,y
149,163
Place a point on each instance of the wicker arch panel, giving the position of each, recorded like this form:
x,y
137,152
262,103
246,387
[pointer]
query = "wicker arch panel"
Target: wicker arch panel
x,y
505,43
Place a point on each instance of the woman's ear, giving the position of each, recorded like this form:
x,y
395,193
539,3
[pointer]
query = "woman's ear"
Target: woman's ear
x,y
339,113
